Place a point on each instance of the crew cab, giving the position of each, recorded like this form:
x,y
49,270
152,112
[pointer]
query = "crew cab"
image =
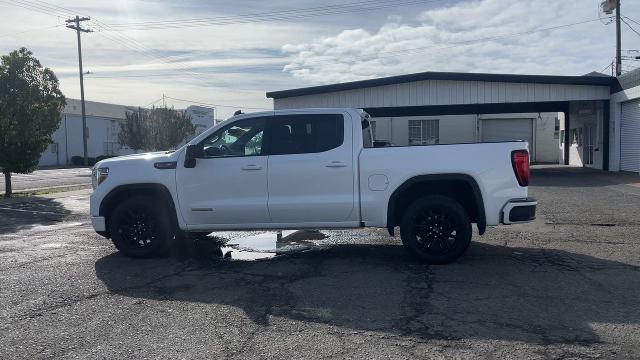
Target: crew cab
x,y
315,169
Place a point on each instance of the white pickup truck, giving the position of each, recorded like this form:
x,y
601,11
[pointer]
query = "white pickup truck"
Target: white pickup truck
x,y
315,169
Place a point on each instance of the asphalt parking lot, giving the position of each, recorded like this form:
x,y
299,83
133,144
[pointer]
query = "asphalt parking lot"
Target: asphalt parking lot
x,y
566,286
49,179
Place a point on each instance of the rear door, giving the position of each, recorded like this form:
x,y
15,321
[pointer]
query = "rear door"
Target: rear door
x,y
310,168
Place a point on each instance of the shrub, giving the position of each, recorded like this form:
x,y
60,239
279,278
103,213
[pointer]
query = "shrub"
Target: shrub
x,y
79,161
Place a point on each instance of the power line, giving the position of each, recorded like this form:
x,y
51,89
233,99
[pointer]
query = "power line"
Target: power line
x,y
136,46
127,42
30,30
335,9
385,54
606,67
155,102
630,27
630,19
250,15
216,105
35,7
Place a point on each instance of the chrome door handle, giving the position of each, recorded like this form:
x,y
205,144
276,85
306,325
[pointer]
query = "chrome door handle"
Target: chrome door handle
x,y
251,167
336,164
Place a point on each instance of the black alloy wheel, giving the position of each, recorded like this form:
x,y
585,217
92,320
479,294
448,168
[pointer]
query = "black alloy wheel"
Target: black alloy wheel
x,y
436,229
140,228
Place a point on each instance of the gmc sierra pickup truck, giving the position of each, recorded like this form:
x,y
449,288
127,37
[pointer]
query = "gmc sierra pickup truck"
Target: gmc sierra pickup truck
x,y
315,169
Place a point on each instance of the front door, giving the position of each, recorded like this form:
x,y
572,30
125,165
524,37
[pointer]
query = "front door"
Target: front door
x,y
311,170
228,185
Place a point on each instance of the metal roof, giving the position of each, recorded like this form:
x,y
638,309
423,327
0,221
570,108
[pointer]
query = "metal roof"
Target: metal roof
x,y
430,75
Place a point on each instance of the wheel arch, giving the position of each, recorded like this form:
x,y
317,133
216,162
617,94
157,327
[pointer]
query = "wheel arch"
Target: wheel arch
x,y
117,194
438,184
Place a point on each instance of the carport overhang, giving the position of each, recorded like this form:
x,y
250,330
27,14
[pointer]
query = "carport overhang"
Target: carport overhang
x,y
501,108
397,96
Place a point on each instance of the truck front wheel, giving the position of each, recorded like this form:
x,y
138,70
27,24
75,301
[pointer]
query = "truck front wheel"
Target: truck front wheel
x,y
436,229
140,228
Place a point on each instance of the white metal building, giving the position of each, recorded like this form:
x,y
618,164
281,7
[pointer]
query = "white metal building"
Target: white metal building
x,y
436,107
102,132
103,126
625,124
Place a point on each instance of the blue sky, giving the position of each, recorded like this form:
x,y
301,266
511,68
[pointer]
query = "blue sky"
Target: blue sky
x,y
233,60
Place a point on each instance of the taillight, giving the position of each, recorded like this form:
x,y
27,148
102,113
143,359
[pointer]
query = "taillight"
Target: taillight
x,y
520,163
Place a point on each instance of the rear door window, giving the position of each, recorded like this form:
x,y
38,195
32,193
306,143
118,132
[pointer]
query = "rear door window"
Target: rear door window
x,y
303,134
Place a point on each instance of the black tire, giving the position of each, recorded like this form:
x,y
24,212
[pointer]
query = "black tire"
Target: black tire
x,y
141,228
436,229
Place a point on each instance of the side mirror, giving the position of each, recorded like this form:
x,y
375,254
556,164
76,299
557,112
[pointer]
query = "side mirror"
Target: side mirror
x,y
193,152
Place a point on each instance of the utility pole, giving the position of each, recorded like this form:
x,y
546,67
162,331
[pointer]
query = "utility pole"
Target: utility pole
x,y
75,25
618,41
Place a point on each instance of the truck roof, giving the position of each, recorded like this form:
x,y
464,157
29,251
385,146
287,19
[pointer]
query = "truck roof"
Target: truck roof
x,y
295,111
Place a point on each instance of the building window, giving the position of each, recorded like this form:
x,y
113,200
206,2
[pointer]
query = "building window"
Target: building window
x,y
54,148
424,132
373,129
556,131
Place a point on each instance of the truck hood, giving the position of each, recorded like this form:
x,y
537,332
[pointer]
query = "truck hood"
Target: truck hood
x,y
143,157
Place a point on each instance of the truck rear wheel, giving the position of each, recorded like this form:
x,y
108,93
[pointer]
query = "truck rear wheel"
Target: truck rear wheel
x,y
436,229
140,228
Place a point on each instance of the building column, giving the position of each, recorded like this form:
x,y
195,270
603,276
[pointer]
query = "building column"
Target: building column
x,y
605,134
567,130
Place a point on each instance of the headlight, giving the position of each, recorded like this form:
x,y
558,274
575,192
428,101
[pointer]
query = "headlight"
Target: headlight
x,y
98,176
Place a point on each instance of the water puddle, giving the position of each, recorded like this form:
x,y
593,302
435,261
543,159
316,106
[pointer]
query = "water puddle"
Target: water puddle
x,y
256,245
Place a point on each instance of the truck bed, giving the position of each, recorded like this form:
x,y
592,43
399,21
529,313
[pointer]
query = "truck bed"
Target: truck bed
x,y
489,164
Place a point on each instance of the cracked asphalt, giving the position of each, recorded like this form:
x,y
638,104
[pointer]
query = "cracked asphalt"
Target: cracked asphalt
x,y
566,286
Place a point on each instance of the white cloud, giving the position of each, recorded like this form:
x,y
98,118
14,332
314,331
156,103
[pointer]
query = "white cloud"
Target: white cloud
x,y
439,43
242,61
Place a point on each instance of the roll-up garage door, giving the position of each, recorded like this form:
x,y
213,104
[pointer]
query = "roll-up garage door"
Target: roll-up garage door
x,y
509,130
630,136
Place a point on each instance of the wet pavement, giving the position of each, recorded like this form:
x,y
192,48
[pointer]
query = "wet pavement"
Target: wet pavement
x,y
566,286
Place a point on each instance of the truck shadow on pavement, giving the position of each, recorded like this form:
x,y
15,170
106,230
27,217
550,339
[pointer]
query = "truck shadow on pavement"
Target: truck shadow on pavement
x,y
22,215
539,296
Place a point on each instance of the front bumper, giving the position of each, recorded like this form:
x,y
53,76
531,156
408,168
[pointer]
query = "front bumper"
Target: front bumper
x,y
519,211
98,223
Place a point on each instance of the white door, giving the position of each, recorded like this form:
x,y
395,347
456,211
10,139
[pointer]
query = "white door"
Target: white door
x,y
311,170
630,136
509,130
228,185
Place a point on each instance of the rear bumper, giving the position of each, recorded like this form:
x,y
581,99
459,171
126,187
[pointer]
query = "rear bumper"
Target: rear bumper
x,y
519,211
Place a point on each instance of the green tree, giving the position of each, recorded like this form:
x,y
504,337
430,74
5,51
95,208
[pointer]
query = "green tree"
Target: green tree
x,y
31,105
133,131
155,129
